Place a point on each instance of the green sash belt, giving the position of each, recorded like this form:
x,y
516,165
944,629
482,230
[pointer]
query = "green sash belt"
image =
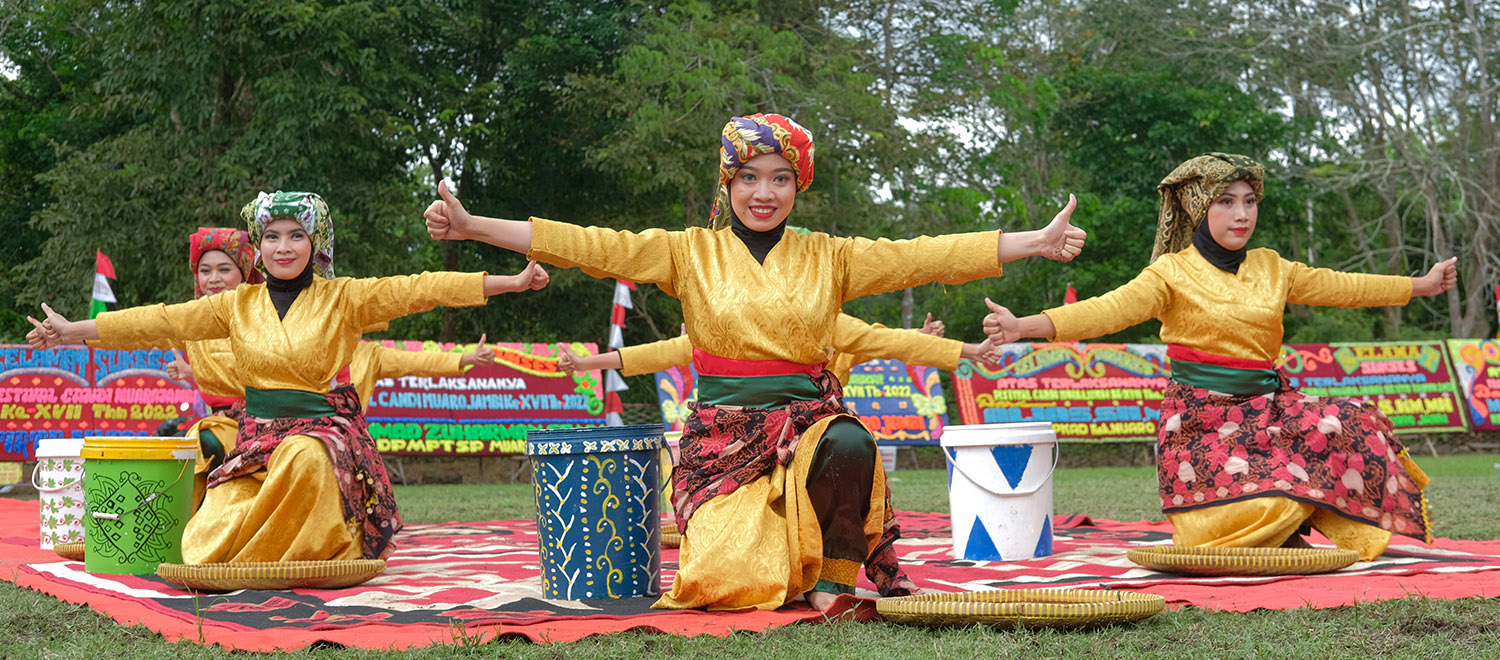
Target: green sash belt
x,y
270,404
756,391
1227,380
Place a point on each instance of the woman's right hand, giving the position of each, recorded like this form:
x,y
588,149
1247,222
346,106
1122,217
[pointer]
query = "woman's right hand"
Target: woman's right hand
x,y
1442,277
1000,325
50,333
447,220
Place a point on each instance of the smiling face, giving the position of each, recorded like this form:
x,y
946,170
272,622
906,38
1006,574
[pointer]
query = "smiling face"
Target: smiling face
x,y
285,248
1231,217
763,191
217,272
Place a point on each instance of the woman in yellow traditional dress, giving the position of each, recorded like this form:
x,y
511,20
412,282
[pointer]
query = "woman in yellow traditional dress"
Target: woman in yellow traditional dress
x,y
304,481
221,259
779,494
1245,460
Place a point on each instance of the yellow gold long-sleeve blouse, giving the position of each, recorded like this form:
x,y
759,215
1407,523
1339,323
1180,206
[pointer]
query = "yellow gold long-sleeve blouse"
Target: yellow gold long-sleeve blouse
x,y
213,366
306,350
854,342
785,309
373,362
1227,314
212,361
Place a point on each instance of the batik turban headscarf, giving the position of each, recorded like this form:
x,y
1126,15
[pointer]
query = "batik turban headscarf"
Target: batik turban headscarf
x,y
747,137
233,242
1188,191
308,209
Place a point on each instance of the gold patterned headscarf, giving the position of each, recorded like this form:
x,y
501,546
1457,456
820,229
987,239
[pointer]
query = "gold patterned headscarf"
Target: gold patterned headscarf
x,y
1187,192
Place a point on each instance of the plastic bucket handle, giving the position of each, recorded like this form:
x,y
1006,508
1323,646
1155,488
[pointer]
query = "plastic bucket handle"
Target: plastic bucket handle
x,y
1056,454
148,499
45,489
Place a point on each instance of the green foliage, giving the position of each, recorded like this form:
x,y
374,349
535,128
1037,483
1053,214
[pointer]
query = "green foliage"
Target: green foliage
x,y
123,126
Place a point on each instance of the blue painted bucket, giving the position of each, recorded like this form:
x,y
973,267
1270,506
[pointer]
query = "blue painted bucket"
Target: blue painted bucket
x,y
598,510
1000,489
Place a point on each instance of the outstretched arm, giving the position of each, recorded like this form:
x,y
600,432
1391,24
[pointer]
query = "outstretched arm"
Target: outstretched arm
x,y
483,354
531,278
1002,327
877,266
570,363
599,252
136,327
55,330
448,220
1441,277
1058,241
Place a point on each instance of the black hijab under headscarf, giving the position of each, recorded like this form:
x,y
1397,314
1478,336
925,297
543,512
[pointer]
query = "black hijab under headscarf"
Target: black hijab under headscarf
x,y
284,292
1221,257
758,242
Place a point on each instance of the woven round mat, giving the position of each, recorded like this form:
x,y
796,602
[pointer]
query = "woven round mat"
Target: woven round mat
x,y
1242,561
1008,608
671,540
332,574
73,551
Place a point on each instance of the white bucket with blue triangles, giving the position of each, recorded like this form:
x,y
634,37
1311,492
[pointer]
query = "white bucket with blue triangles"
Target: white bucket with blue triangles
x,y
1000,489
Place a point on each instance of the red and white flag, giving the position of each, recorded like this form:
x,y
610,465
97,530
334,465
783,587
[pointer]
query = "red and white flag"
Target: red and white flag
x,y
613,383
1071,295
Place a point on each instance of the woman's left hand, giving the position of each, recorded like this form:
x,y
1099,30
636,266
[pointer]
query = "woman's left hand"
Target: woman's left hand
x,y
484,353
1061,241
931,327
1442,277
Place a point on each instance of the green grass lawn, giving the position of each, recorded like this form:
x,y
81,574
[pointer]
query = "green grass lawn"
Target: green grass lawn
x,y
1465,496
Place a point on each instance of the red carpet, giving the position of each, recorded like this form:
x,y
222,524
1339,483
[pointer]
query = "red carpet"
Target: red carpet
x,y
465,579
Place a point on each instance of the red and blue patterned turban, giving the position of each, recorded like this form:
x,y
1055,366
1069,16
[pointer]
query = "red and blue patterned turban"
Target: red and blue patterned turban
x,y
747,137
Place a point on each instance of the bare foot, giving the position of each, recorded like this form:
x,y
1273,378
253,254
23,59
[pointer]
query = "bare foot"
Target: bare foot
x,y
820,600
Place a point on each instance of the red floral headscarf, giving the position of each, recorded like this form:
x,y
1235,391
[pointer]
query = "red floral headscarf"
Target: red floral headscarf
x,y
233,242
747,137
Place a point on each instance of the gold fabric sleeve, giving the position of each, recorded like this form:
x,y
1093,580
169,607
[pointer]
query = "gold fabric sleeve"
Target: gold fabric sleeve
x,y
878,266
214,369
867,342
655,356
159,325
378,300
606,253
1331,288
1138,300
394,363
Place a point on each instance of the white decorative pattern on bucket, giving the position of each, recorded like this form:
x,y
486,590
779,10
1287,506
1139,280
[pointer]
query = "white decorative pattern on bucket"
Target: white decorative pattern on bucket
x,y
1000,489
58,477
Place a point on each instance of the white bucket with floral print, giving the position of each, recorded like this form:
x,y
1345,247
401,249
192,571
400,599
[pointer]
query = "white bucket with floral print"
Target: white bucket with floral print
x,y
58,477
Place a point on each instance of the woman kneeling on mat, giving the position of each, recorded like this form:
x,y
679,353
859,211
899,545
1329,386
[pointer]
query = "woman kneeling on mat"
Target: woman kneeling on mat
x,y
778,489
1244,459
304,480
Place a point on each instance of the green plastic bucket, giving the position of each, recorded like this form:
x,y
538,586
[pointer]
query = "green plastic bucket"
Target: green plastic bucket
x,y
138,495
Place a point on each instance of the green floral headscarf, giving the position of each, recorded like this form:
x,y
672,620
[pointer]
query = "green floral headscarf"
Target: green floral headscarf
x,y
308,209
1187,192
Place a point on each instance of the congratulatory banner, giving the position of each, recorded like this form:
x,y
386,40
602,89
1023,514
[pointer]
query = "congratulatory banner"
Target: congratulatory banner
x,y
1411,382
77,391
1090,392
486,411
1478,365
1112,392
